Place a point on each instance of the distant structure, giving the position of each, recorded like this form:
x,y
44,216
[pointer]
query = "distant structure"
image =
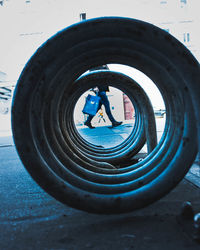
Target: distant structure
x,y
83,16
5,94
184,26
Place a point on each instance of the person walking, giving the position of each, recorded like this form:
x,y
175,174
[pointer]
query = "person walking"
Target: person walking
x,y
103,101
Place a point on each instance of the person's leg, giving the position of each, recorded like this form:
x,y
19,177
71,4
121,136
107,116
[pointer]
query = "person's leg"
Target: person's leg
x,y
90,117
105,102
88,121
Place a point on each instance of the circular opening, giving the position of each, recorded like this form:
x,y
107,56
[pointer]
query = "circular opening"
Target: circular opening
x,y
101,133
98,127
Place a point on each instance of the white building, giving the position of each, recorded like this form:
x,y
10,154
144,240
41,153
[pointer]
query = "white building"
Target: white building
x,y
29,23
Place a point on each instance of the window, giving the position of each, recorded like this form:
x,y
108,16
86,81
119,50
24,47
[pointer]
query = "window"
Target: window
x,y
186,37
184,1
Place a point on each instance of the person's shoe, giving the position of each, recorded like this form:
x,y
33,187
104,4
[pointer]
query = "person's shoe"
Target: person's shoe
x,y
115,124
88,124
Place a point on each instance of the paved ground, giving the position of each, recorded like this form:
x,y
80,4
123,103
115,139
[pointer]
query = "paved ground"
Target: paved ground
x,y
114,136
31,219
106,136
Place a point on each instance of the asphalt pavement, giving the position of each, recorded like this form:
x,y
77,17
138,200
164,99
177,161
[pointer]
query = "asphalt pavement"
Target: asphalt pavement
x,y
31,219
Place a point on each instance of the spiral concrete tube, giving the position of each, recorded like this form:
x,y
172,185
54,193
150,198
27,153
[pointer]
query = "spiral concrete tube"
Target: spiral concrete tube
x,y
137,138
56,66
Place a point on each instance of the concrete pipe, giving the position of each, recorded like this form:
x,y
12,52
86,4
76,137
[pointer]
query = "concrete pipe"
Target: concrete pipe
x,y
144,125
38,109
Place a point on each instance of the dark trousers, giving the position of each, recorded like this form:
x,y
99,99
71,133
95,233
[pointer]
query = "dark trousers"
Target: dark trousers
x,y
104,101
